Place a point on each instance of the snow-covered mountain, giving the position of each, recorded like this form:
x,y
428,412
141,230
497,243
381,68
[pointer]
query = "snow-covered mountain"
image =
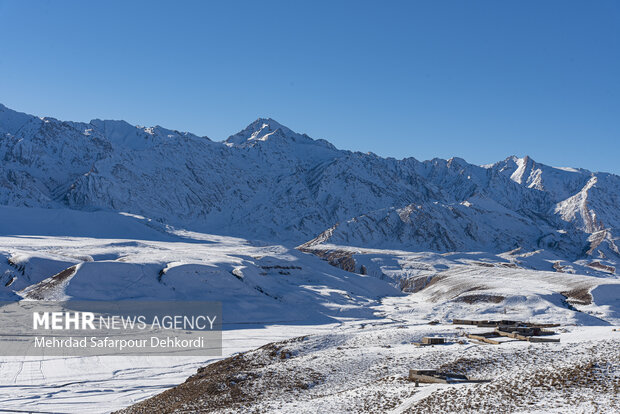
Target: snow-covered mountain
x,y
268,182
109,211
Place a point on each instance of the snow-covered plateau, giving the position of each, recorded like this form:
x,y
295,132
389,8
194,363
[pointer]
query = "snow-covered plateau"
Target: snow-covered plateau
x,y
330,265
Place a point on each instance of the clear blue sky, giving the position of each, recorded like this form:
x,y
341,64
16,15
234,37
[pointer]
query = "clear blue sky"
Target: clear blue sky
x,y
477,79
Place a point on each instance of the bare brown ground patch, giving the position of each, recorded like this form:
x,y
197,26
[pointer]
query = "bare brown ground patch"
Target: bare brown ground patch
x,y
480,298
579,296
341,259
233,383
39,291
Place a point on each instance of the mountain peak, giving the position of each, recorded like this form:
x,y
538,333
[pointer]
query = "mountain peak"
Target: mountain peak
x,y
260,130
270,122
268,130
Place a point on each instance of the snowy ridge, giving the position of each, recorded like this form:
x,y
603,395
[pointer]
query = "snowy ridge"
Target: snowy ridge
x,y
479,224
268,182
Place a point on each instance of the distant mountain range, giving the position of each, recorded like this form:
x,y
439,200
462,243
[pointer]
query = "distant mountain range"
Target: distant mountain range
x,y
270,183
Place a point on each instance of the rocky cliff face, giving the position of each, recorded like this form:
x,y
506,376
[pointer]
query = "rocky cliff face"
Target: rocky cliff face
x,y
271,183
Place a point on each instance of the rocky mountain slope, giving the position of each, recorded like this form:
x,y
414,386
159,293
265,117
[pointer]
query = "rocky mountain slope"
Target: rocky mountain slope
x,y
268,182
